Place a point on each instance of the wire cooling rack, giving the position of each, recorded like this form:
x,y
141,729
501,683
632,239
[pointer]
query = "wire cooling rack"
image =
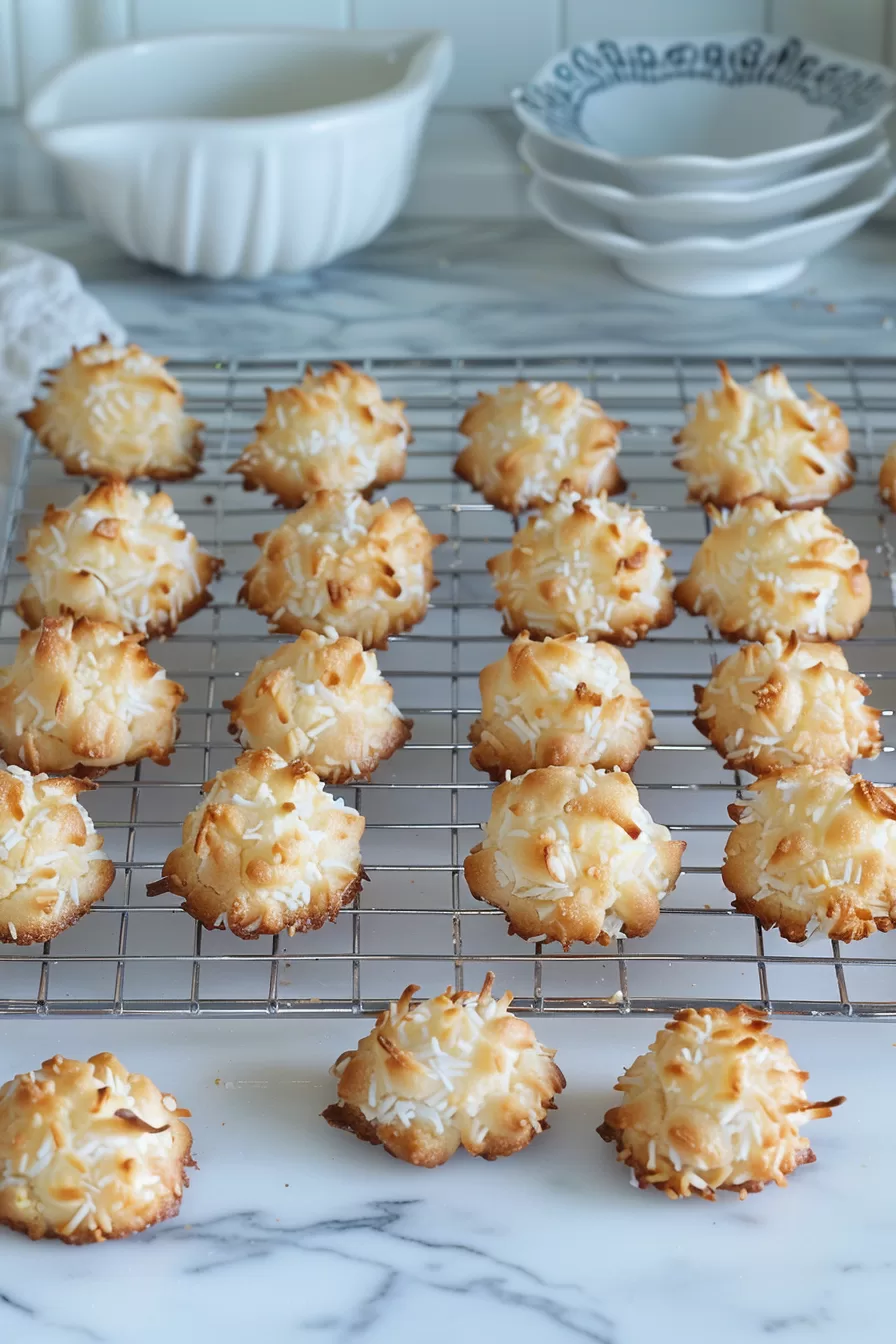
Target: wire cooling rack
x,y
415,920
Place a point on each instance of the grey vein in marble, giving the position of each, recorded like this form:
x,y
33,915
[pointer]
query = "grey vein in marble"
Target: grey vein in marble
x,y
393,1239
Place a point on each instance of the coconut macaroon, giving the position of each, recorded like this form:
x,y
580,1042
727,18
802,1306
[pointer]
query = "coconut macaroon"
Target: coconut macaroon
x,y
773,705
763,439
89,1151
570,855
887,478
333,431
762,571
116,411
323,699
455,1071
584,567
83,697
528,439
52,865
267,850
342,563
716,1103
118,555
558,702
814,850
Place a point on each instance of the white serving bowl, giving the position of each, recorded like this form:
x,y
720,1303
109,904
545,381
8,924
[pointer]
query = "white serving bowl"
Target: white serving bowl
x,y
672,215
718,267
728,112
238,154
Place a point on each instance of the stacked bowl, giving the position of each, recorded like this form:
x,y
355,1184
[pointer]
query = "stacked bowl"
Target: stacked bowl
x,y
707,166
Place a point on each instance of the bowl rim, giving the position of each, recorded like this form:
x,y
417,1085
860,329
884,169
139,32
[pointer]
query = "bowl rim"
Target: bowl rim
x,y
746,162
712,243
434,50
622,197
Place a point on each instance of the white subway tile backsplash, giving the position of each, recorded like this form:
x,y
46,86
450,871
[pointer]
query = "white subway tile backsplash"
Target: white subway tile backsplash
x,y
47,34
656,18
856,26
152,18
497,43
50,32
9,79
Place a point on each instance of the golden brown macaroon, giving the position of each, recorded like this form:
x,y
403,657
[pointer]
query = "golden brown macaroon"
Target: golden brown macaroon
x,y
528,439
362,569
887,478
89,1151
763,439
762,571
773,705
268,850
332,432
455,1071
116,411
570,855
584,567
83,697
323,700
52,865
715,1104
118,555
558,702
815,850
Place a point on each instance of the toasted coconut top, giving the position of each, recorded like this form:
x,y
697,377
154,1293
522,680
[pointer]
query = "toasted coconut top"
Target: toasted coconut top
x,y
116,408
777,703
47,838
341,559
306,691
528,438
809,833
585,564
763,439
339,415
576,831
130,546
459,1061
557,687
716,1101
762,569
90,1145
269,828
81,676
887,478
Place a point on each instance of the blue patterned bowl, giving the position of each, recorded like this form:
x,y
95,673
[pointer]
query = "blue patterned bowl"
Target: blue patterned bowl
x,y
733,111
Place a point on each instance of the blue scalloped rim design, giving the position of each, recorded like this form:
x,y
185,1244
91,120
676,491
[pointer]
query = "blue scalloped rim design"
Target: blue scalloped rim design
x,y
593,67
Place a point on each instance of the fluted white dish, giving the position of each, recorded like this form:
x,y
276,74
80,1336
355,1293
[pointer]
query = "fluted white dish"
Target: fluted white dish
x,y
729,111
718,267
670,215
242,153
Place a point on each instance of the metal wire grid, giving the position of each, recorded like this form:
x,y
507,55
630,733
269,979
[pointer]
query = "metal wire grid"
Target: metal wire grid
x,y
415,920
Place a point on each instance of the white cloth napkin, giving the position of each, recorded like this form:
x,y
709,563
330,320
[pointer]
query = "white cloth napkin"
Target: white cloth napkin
x,y
43,312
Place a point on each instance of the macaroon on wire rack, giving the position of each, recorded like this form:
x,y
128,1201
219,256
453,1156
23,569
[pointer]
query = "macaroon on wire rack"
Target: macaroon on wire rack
x,y
415,920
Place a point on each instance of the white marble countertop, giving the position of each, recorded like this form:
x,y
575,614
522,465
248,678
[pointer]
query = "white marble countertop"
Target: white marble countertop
x,y
480,287
294,1231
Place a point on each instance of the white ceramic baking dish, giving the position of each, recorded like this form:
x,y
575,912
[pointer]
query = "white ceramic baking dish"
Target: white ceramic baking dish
x,y
242,153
